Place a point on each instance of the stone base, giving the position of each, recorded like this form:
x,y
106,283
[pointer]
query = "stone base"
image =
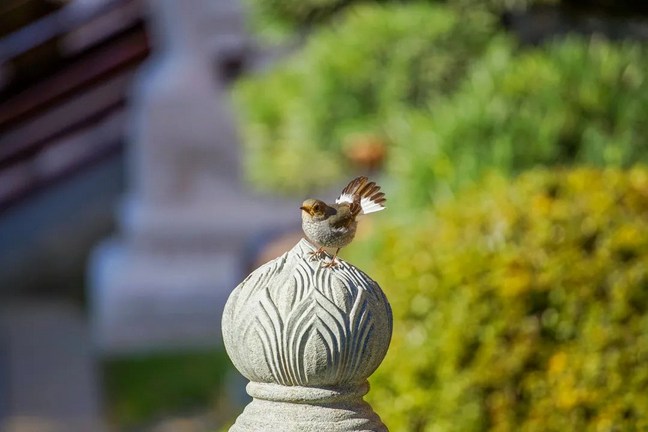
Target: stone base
x,y
37,424
48,372
158,299
307,409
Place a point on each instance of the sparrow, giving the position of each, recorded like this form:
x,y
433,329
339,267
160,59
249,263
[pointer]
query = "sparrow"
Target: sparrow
x,y
334,225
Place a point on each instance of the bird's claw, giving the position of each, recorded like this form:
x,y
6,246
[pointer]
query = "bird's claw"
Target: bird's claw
x,y
330,264
317,255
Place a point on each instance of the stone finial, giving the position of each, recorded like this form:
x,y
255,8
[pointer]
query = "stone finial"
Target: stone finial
x,y
307,338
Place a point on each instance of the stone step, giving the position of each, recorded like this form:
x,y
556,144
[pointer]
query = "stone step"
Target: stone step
x,y
48,369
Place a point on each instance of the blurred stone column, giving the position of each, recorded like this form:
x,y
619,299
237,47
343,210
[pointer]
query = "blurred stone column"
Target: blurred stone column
x,y
186,216
184,142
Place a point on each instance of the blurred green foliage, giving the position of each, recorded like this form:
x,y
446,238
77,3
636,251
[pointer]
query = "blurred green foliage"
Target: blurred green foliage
x,y
142,389
352,78
570,101
518,307
448,95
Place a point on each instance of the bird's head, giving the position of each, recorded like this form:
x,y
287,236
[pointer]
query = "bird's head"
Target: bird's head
x,y
315,209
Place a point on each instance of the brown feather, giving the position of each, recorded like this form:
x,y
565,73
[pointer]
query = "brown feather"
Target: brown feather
x,y
344,216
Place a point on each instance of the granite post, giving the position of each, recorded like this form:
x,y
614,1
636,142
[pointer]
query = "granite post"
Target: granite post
x,y
307,337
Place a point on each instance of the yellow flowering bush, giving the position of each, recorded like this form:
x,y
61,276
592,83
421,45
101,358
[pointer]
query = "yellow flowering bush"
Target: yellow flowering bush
x,y
519,307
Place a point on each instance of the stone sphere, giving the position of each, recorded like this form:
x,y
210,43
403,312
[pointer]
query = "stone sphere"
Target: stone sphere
x,y
295,322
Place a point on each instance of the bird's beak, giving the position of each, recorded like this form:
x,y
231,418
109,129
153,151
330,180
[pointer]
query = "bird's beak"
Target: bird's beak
x,y
303,208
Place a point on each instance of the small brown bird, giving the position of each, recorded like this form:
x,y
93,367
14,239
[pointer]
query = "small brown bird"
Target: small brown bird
x,y
334,225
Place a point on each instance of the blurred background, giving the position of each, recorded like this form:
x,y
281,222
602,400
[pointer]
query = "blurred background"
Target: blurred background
x,y
153,153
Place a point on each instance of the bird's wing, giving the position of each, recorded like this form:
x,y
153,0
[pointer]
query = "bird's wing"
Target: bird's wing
x,y
344,216
361,194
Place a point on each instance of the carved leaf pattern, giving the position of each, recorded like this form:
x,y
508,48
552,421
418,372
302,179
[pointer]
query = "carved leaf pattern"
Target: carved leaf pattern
x,y
313,325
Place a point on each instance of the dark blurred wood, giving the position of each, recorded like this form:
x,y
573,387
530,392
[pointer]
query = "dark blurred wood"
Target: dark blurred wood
x,y
122,53
622,8
71,115
544,22
27,139
21,14
15,14
37,50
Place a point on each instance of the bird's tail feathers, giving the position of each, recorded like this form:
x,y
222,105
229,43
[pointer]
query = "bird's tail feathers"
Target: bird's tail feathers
x,y
364,194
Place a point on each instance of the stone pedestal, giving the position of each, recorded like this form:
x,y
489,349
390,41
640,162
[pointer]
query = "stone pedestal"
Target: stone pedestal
x,y
185,218
47,369
307,337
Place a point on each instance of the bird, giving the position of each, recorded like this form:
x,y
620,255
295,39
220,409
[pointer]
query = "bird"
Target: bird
x,y
334,225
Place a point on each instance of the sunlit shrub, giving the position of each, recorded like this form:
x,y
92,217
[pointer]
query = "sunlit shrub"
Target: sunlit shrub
x,y
570,101
350,79
518,307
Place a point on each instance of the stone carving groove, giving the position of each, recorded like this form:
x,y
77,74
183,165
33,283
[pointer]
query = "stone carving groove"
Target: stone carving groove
x,y
302,332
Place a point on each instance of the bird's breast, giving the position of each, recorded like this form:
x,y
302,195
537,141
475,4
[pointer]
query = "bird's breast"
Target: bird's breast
x,y
322,233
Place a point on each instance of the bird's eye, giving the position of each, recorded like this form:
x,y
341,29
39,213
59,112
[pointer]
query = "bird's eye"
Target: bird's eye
x,y
316,207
